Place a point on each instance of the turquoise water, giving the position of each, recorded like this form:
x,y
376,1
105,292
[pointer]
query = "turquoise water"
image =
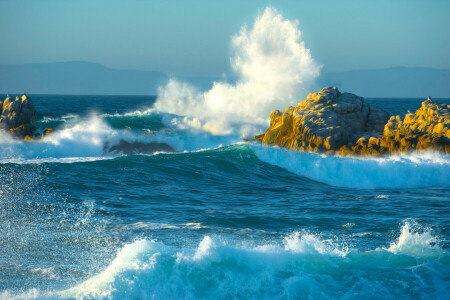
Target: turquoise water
x,y
219,219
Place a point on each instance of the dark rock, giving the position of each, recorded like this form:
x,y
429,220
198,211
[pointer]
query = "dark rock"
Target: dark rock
x,y
128,148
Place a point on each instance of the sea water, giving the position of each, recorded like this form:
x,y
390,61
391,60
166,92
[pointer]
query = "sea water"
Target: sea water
x,y
219,219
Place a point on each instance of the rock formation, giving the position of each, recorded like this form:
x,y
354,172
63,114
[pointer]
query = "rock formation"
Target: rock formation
x,y
18,116
344,124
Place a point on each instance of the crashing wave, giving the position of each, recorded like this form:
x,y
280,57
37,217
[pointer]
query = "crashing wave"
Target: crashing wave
x,y
302,265
107,136
273,68
401,171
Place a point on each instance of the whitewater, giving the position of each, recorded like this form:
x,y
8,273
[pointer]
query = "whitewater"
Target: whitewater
x,y
220,216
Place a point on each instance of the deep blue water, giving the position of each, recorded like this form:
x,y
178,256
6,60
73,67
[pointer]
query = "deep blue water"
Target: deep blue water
x,y
220,218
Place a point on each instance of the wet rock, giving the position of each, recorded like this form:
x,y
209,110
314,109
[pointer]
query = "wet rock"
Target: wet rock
x,y
128,148
342,123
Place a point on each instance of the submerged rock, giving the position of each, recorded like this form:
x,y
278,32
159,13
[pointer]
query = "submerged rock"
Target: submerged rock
x,y
343,123
128,148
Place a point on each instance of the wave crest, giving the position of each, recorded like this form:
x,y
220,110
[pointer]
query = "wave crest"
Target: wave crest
x,y
300,265
93,138
303,265
406,171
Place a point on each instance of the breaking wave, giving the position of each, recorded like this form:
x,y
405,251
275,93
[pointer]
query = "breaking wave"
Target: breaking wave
x,y
416,241
401,171
302,265
85,139
88,139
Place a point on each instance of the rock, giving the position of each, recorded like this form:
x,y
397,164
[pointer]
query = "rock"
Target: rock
x,y
259,137
427,128
18,116
344,124
326,120
128,148
47,131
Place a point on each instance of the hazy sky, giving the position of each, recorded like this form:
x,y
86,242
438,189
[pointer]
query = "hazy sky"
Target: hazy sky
x,y
193,37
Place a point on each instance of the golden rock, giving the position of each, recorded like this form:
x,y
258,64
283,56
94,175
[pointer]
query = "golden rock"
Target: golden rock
x,y
344,124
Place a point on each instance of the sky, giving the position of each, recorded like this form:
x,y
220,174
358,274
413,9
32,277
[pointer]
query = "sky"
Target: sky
x,y
194,37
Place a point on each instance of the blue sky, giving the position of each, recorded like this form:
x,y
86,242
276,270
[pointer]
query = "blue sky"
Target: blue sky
x,y
193,37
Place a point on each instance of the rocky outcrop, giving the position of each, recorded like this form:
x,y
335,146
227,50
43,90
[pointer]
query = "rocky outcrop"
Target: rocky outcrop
x,y
18,116
344,124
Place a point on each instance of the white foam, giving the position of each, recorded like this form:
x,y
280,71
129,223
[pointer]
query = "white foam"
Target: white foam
x,y
153,225
64,118
83,140
414,240
79,141
138,256
307,243
136,113
204,248
407,171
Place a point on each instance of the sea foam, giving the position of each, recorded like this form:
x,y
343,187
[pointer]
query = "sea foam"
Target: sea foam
x,y
416,241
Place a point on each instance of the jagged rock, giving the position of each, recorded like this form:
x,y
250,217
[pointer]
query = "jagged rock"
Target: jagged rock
x,y
326,120
427,128
344,124
18,116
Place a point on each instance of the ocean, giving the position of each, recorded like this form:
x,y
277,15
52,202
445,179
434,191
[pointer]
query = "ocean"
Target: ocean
x,y
221,218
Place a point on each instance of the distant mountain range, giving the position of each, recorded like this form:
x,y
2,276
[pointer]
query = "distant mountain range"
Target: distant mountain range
x,y
93,79
77,78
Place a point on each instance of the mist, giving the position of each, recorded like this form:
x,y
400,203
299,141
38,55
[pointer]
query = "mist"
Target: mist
x,y
274,69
